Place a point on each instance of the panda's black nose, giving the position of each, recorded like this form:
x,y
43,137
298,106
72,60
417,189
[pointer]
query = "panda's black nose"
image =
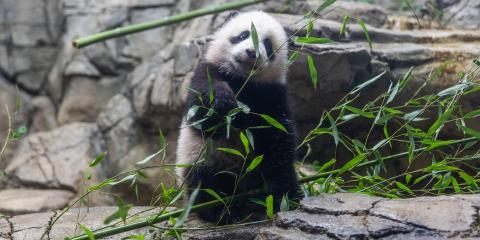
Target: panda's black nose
x,y
250,53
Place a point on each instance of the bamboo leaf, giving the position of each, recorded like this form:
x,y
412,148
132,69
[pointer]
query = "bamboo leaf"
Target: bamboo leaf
x,y
245,143
394,93
359,112
231,151
406,78
352,163
468,179
440,121
284,206
215,195
471,132
404,188
473,114
192,111
255,162
365,31
87,231
228,120
19,132
250,138
98,159
121,213
334,128
366,83
149,158
379,144
313,71
344,25
408,177
269,203
163,143
324,5
313,40
273,122
453,89
254,35
210,88
435,144
187,209
327,165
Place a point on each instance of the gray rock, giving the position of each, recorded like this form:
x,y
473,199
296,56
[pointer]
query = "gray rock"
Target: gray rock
x,y
372,14
18,116
22,201
142,46
33,226
56,159
86,97
340,203
276,233
43,115
462,14
81,66
444,213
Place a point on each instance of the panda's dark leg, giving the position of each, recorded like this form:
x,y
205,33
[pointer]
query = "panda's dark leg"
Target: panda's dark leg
x,y
223,184
281,177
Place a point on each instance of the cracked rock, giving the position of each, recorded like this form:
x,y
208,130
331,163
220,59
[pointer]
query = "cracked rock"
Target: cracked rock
x,y
443,213
56,159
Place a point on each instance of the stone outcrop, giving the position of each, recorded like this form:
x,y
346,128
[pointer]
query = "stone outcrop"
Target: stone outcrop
x,y
337,216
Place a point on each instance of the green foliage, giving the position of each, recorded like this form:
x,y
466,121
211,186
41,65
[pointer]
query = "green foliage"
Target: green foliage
x,y
19,132
269,206
254,35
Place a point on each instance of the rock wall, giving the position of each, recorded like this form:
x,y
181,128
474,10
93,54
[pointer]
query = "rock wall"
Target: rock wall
x,y
115,96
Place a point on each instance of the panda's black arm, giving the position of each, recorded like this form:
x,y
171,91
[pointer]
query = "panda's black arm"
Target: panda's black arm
x,y
223,101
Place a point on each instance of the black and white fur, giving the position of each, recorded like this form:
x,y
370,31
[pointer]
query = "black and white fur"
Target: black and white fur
x,y
229,60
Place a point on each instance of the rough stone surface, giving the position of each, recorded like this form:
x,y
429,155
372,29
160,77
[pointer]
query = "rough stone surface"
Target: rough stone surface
x,y
462,14
33,226
22,201
372,14
339,218
56,159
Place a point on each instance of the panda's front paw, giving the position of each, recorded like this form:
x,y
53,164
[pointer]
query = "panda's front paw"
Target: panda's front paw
x,y
224,99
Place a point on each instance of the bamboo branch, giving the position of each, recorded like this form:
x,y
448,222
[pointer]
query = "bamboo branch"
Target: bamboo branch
x,y
122,31
162,217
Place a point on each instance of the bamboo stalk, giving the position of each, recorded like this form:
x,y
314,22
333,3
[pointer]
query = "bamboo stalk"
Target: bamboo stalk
x,y
162,217
122,31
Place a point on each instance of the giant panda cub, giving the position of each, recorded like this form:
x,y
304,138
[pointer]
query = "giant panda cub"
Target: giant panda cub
x,y
228,63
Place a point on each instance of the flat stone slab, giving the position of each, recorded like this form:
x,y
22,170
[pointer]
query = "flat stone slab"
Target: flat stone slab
x,y
22,201
33,226
335,216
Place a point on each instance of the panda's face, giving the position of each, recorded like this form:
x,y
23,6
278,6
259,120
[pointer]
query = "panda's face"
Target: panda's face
x,y
232,48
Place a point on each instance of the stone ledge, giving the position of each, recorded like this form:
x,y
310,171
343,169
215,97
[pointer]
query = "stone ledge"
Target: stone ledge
x,y
337,216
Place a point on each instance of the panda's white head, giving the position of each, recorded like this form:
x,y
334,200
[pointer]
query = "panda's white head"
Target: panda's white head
x,y
232,48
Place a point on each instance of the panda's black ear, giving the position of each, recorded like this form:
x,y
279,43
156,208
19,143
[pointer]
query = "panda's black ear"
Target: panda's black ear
x,y
229,17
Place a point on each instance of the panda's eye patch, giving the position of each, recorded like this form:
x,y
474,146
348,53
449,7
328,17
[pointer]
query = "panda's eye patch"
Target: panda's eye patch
x,y
240,37
269,48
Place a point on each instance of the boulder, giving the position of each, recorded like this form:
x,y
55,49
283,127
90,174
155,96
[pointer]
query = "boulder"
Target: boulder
x,y
57,159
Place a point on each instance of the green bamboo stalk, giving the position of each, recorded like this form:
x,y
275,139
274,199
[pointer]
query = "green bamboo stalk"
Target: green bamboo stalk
x,y
122,31
163,217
